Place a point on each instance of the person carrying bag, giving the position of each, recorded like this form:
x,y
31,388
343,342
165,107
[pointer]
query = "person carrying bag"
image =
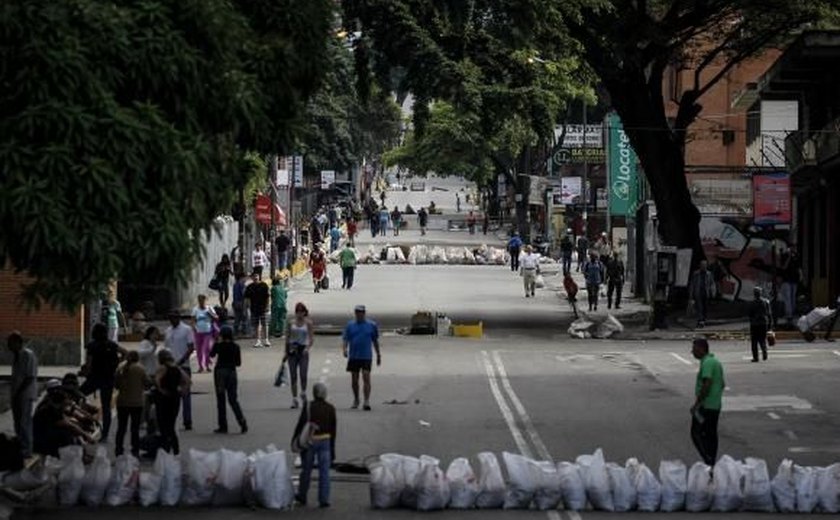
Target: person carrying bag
x,y
314,438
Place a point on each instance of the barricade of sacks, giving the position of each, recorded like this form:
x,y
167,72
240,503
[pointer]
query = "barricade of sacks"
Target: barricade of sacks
x,y
592,483
197,478
481,255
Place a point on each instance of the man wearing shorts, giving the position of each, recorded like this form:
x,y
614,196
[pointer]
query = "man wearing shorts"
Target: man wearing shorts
x,y
360,338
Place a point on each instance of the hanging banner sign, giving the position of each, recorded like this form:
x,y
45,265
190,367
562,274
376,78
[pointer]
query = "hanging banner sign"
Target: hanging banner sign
x,y
771,199
623,169
327,179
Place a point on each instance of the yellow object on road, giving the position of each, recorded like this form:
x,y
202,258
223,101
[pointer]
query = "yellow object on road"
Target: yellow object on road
x,y
472,330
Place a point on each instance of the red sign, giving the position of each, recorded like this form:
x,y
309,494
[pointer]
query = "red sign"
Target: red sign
x,y
771,199
262,209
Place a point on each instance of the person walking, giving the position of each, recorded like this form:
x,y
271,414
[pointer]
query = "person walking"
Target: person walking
x,y
147,351
530,263
423,220
360,339
335,239
602,245
514,247
222,276
457,202
204,318
240,313
471,221
259,260
582,249
352,229
615,280
566,250
384,218
172,386
593,273
485,223
102,356
113,316
282,243
701,290
321,416
791,276
396,220
571,291
257,295
23,389
228,358
179,340
708,392
131,395
318,267
347,261
278,308
761,321
299,339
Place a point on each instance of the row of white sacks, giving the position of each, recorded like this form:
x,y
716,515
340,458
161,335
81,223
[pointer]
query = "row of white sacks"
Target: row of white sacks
x,y
198,478
590,482
422,254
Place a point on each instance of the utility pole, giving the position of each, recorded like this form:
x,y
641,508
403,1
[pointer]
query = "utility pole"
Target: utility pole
x,y
272,179
585,176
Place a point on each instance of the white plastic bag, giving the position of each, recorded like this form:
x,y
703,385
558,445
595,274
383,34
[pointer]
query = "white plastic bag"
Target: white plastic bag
x,y
729,485
168,466
673,477
784,488
539,282
97,477
432,487
572,487
124,481
231,476
805,479
71,475
648,489
828,489
593,469
522,482
549,494
463,484
384,491
200,480
149,488
410,468
623,490
757,494
491,484
700,490
272,481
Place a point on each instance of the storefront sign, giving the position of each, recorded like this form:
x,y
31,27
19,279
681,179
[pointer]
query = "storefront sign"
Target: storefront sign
x,y
580,136
294,164
282,179
771,199
262,209
327,179
622,166
570,190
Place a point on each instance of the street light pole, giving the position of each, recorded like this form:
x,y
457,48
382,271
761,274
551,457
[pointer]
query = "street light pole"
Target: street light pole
x,y
585,176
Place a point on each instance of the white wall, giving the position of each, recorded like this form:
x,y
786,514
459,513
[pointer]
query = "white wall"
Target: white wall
x,y
219,242
778,119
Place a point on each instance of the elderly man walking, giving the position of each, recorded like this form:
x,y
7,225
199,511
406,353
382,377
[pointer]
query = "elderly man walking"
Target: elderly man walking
x,y
24,390
530,263
360,338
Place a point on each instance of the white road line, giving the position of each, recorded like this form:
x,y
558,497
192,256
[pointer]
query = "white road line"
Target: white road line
x,y
518,438
328,361
542,451
574,515
681,359
325,370
773,416
790,434
779,356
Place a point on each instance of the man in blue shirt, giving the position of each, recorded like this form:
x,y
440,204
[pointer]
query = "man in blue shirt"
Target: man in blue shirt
x,y
514,247
360,338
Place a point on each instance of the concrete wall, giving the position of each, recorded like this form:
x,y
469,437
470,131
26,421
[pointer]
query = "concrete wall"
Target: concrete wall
x,y
220,242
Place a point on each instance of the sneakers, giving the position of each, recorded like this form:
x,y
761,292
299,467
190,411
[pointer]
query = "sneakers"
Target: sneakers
x,y
220,430
295,403
355,405
267,344
366,407
243,428
258,344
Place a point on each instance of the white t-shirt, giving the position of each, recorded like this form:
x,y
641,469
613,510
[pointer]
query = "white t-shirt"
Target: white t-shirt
x,y
529,261
259,258
148,359
178,341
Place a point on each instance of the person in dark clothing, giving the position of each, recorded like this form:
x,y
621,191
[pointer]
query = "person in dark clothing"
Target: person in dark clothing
x,y
833,322
228,358
514,247
321,415
485,223
282,243
566,250
222,275
761,320
582,248
615,280
593,272
423,220
170,383
571,291
257,294
52,427
102,356
240,314
701,289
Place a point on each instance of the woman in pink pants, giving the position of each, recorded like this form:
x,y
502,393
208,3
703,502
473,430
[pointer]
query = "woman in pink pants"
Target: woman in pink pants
x,y
203,318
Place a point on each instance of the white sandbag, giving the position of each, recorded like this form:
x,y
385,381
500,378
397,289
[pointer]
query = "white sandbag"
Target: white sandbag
x,y
97,477
432,487
248,494
757,494
384,490
593,469
232,467
673,477
455,256
729,485
783,488
410,468
522,481
623,490
805,479
700,491
394,463
272,481
400,256
149,488
71,475
125,478
412,255
809,321
202,469
491,484
549,493
25,479
828,489
572,487
168,466
648,488
469,257
539,282
463,484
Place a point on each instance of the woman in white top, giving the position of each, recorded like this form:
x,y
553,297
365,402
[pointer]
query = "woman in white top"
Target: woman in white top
x,y
148,351
203,318
299,339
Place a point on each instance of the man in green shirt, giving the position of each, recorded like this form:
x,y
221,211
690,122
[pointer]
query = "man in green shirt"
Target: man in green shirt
x,y
347,259
708,394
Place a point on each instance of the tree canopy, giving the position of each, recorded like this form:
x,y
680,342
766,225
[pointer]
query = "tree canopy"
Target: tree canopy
x,y
123,127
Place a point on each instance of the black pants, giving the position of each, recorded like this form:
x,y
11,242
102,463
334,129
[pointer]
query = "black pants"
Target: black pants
x,y
514,259
758,338
347,274
705,436
567,263
831,325
106,391
167,408
614,287
592,293
124,413
226,386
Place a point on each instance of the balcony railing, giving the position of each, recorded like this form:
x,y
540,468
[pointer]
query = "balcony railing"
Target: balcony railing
x,y
806,148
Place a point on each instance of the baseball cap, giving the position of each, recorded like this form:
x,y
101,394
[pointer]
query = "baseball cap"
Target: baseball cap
x,y
360,308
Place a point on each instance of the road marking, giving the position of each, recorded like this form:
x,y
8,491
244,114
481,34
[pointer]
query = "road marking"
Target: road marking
x,y
836,352
773,416
325,370
507,414
755,403
779,356
328,361
790,434
681,359
574,515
